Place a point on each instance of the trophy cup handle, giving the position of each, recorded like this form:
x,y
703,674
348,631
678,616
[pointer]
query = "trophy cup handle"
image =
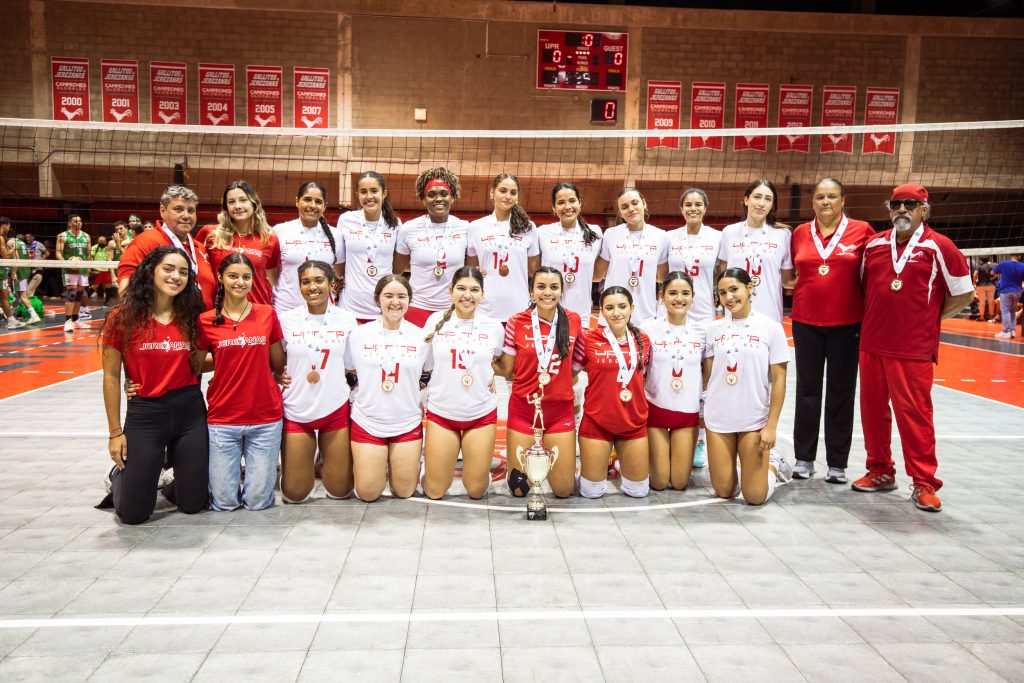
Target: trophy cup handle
x,y
554,455
519,457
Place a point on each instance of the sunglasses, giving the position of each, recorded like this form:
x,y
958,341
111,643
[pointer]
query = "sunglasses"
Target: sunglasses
x,y
909,204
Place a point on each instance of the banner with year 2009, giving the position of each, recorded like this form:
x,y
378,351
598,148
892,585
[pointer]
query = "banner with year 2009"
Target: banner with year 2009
x,y
168,93
69,78
312,97
120,88
217,94
664,100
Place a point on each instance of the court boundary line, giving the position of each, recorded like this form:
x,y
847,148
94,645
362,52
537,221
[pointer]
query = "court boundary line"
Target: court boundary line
x,y
502,615
983,398
49,386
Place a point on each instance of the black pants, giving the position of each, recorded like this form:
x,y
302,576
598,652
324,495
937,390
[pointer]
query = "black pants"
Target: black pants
x,y
825,352
171,427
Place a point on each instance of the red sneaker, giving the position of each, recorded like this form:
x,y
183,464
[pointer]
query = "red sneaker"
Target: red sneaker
x,y
925,499
875,482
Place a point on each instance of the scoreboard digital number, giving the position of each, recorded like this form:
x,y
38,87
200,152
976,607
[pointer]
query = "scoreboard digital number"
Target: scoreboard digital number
x,y
575,60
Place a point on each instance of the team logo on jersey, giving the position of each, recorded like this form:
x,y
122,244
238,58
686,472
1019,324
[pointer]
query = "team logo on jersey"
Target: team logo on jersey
x,y
243,341
846,250
165,345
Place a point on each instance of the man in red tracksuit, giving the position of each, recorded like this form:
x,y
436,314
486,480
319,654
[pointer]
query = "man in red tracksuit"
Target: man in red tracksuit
x,y
913,278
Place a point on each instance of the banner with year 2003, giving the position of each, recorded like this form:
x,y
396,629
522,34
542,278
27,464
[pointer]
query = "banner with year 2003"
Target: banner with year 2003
x,y
312,95
69,78
217,94
168,93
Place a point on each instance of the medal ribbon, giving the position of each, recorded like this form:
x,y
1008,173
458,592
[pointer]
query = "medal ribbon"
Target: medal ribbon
x,y
823,251
466,352
372,239
569,247
625,371
753,252
382,359
635,252
440,251
191,247
899,264
547,347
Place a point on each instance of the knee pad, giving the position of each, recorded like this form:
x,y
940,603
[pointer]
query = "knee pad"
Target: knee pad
x,y
517,482
591,489
635,489
71,295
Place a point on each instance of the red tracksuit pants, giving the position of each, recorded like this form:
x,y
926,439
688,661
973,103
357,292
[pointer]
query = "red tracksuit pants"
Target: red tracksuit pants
x,y
907,385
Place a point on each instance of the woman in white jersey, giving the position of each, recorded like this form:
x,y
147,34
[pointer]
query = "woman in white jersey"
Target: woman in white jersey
x,y
674,384
388,356
306,238
759,247
433,246
634,255
693,249
745,366
462,407
316,407
504,246
370,234
572,246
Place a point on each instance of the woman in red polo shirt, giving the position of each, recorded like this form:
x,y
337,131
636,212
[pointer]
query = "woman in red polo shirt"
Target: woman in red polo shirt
x,y
828,306
153,334
245,402
242,228
538,353
614,405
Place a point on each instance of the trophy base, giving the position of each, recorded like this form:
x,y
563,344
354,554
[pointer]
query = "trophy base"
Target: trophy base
x,y
537,514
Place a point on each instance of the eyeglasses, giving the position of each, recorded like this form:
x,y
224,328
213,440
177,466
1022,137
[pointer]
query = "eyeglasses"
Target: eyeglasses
x,y
909,204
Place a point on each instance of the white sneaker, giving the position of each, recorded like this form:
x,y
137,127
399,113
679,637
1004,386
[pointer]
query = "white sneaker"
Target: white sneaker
x,y
783,470
700,455
69,326
836,475
84,313
1003,335
166,477
803,469
13,323
35,319
79,325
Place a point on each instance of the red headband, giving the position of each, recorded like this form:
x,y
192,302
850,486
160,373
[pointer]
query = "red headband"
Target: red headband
x,y
436,182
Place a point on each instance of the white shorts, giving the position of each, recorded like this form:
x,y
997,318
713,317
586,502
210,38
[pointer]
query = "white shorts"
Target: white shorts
x,y
21,286
76,280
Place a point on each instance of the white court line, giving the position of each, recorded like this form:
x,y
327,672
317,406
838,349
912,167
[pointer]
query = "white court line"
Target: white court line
x,y
567,508
983,398
49,386
497,615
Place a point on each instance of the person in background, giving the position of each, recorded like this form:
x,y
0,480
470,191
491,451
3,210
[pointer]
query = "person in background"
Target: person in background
x,y
1011,275
5,276
985,287
102,278
134,227
74,245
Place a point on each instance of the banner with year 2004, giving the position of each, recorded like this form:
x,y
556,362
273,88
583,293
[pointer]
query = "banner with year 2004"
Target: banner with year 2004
x,y
217,94
312,94
168,93
69,80
120,89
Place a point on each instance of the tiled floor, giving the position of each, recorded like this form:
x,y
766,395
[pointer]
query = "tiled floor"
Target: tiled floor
x,y
410,590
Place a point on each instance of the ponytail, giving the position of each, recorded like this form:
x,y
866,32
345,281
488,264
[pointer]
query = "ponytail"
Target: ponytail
x,y
519,221
390,217
589,235
218,304
635,331
440,323
330,238
562,333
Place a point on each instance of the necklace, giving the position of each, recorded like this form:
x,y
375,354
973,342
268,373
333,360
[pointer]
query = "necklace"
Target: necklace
x,y
245,309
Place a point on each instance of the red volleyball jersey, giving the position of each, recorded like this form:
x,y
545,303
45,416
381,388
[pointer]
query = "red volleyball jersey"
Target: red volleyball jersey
x,y
519,343
837,297
137,249
264,257
602,400
158,357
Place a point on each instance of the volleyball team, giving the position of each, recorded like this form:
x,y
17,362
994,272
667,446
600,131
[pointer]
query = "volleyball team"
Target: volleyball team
x,y
389,378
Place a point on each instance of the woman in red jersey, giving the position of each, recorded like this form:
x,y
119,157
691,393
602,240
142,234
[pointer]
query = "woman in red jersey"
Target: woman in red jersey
x,y
615,408
153,335
538,353
828,306
245,411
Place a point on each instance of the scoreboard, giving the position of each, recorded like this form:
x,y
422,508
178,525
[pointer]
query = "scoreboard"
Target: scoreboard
x,y
577,60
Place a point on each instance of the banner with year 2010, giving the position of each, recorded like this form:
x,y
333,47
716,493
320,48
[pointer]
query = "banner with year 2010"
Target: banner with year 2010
x,y
69,80
120,88
217,94
168,93
664,101
839,102
881,108
312,97
263,86
707,112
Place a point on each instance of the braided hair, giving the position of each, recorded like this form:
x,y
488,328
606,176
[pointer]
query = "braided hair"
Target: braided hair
x,y
519,221
589,236
231,259
390,217
562,329
324,225
464,271
630,327
440,173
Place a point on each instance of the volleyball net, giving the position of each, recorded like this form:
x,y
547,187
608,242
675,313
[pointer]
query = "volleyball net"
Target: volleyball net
x,y
105,172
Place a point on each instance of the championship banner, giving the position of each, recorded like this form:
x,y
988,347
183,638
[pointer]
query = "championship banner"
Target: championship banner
x,y
751,112
263,86
312,97
120,87
664,101
69,78
881,109
217,94
707,111
839,102
168,93
795,102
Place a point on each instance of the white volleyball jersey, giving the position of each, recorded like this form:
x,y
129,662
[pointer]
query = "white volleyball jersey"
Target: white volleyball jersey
x,y
674,376
489,240
298,245
393,357
369,247
565,250
315,344
425,244
638,255
697,256
463,348
764,253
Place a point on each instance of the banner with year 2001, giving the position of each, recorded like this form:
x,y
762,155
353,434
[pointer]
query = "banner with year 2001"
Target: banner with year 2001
x,y
120,88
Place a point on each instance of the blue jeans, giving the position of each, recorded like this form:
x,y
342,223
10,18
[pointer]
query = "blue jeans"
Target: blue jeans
x,y
260,446
1008,309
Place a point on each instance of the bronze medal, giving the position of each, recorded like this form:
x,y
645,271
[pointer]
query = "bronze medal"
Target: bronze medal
x,y
823,269
731,378
896,285
570,277
313,377
634,281
467,380
438,271
387,385
371,270
503,271
677,384
625,395
755,280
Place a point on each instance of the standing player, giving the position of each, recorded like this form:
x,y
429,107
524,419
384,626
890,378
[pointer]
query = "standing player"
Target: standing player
x,y
674,384
693,249
745,367
369,234
102,277
73,245
615,407
634,255
245,410
462,408
306,238
506,248
760,248
20,276
433,246
913,278
538,352
5,276
388,356
572,246
316,401
242,228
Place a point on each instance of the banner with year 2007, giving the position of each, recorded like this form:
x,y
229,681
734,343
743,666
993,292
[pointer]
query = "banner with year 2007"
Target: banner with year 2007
x,y
69,80
312,95
217,94
168,93
120,88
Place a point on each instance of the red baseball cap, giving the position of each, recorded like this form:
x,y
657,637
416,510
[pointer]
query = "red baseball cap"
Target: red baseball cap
x,y
910,191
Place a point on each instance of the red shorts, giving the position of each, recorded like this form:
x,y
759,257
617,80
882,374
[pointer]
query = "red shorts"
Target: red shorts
x,y
334,422
558,416
590,429
670,419
102,279
418,316
360,435
363,321
464,425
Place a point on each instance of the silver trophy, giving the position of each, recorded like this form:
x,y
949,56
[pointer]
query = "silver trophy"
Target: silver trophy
x,y
536,462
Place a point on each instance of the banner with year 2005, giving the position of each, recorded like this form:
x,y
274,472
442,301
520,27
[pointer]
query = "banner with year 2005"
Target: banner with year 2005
x,y
217,94
120,88
69,80
312,94
168,93
263,86
707,112
881,109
